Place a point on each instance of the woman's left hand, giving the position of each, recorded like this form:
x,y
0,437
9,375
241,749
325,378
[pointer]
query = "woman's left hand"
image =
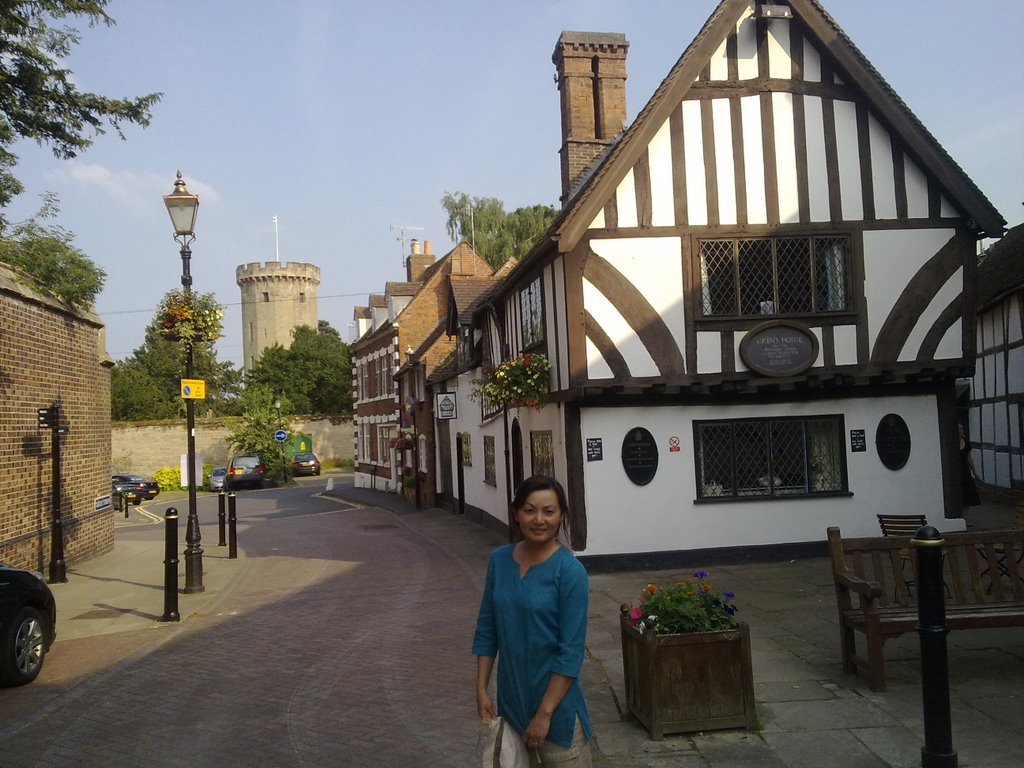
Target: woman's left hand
x,y
537,731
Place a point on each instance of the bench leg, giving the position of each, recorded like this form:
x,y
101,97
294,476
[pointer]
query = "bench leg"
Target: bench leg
x,y
876,662
848,648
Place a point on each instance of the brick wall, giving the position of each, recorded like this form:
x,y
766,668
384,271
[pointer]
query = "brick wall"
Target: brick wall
x,y
49,353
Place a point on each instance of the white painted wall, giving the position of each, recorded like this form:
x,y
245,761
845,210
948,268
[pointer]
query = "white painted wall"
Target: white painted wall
x,y
662,516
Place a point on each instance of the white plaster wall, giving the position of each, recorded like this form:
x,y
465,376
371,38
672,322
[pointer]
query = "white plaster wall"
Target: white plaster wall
x,y
662,516
891,259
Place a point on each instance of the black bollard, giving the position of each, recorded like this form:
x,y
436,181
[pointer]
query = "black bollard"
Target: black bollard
x,y
937,751
171,566
220,520
232,529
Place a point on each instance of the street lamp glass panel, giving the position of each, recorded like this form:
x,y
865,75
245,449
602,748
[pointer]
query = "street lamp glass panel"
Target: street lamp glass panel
x,y
182,208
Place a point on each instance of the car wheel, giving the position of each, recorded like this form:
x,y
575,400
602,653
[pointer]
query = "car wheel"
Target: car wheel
x,y
136,502
22,647
317,473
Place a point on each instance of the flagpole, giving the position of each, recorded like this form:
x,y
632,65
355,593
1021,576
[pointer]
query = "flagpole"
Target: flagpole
x,y
277,244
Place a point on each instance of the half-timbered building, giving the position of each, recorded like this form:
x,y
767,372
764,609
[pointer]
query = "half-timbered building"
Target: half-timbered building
x,y
997,389
756,300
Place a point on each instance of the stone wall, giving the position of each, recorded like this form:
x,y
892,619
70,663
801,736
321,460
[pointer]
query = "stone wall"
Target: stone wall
x,y
146,447
51,352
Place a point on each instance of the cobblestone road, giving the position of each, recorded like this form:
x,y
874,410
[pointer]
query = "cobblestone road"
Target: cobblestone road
x,y
346,645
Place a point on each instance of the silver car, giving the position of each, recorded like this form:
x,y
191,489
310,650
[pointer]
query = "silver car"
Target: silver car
x,y
216,480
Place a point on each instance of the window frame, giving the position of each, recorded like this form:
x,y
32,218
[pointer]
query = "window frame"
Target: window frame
x,y
776,491
766,309
531,314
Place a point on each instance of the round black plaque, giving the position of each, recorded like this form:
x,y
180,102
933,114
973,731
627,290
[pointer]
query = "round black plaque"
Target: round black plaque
x,y
892,441
639,456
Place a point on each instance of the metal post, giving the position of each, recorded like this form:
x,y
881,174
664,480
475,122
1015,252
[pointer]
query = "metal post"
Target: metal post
x,y
232,528
937,751
193,537
171,566
220,520
58,568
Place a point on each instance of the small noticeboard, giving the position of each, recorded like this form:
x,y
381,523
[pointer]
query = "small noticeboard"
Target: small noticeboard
x,y
193,389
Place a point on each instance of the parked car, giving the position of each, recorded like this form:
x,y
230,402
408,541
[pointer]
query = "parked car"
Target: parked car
x,y
216,481
28,625
244,471
305,464
135,488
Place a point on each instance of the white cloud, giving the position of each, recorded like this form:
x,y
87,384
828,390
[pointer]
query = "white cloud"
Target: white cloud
x,y
128,188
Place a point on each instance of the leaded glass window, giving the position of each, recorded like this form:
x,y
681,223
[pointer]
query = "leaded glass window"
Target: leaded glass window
x,y
775,276
782,457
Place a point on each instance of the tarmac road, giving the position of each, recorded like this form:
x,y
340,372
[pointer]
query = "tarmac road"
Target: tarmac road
x,y
345,644
340,637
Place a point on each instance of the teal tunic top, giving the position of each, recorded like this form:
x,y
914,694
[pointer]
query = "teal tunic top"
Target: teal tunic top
x,y
535,625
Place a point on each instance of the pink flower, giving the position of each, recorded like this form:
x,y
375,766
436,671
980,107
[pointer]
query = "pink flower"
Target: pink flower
x,y
635,613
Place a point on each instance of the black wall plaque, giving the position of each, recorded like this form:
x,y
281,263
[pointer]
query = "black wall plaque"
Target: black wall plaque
x,y
639,456
595,449
892,441
779,348
858,441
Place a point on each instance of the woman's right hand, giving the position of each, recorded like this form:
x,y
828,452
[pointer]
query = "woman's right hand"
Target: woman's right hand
x,y
484,706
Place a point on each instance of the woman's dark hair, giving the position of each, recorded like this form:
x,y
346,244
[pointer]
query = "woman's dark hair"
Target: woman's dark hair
x,y
542,483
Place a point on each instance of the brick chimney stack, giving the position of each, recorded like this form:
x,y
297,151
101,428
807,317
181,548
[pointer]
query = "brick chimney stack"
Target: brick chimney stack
x,y
418,261
591,76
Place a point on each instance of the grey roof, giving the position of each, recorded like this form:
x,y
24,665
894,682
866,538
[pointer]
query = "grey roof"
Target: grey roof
x,y
1002,271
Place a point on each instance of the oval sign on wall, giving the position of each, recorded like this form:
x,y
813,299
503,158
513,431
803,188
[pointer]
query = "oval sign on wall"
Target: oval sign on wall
x,y
639,456
892,441
779,348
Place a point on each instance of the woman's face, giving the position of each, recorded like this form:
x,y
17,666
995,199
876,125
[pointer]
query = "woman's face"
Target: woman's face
x,y
540,517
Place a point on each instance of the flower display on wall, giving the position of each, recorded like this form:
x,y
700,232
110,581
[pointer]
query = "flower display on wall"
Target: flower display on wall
x,y
517,383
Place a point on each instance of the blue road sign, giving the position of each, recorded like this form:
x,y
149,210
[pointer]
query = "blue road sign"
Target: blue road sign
x,y
280,435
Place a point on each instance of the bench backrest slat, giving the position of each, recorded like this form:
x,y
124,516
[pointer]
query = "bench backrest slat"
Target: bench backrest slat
x,y
981,567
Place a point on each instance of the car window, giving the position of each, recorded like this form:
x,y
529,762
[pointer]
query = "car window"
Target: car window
x,y
245,461
219,471
304,456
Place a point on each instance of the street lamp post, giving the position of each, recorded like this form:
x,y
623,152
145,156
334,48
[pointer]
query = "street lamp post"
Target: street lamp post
x,y
182,208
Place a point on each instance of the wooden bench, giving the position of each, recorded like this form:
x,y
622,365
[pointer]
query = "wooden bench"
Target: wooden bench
x,y
982,573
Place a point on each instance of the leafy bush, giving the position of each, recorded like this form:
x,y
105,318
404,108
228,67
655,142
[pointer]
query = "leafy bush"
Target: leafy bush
x,y
168,478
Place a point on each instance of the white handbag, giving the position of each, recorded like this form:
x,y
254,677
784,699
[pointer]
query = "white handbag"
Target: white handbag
x,y
503,747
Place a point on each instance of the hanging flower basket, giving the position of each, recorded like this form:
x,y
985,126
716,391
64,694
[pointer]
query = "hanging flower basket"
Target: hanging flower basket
x,y
401,442
516,383
193,318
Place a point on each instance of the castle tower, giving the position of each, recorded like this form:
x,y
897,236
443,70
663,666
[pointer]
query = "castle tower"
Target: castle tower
x,y
276,297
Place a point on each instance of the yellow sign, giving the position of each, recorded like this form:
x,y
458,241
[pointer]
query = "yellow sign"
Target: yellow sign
x,y
193,389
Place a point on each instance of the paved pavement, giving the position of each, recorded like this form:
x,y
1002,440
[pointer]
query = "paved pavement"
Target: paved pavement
x,y
810,713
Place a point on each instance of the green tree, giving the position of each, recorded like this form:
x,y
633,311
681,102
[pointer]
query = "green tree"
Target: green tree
x,y
314,374
45,252
255,436
496,235
147,385
39,99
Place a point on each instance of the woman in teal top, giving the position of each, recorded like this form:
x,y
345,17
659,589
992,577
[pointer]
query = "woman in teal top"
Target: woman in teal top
x,y
533,619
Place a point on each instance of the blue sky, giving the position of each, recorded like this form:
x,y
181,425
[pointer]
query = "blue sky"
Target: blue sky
x,y
347,119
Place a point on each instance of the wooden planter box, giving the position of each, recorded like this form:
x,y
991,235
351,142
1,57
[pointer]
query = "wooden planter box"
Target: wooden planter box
x,y
702,681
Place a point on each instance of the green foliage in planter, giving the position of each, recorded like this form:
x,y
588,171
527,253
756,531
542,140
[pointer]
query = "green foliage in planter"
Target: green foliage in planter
x,y
690,605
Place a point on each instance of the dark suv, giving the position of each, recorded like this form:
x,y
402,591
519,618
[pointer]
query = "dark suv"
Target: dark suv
x,y
244,472
28,625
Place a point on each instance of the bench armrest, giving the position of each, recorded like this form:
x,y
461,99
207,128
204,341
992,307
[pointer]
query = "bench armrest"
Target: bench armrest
x,y
864,588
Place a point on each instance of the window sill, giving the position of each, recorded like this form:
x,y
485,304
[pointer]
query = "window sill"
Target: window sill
x,y
777,497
